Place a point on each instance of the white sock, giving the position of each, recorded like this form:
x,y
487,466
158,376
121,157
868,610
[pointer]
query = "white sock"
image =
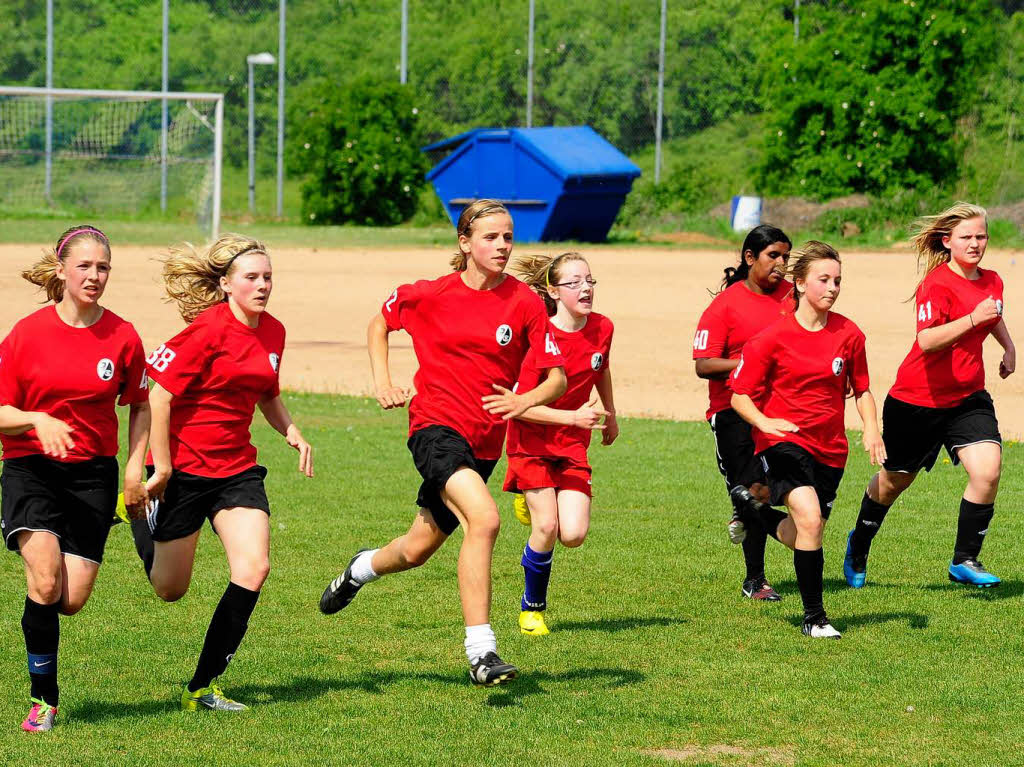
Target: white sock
x,y
480,641
362,570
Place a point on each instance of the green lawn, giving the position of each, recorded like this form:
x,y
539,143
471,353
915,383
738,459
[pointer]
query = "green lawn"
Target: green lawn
x,y
651,647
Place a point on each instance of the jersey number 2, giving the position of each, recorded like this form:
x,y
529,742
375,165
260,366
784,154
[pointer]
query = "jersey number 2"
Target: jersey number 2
x,y
160,358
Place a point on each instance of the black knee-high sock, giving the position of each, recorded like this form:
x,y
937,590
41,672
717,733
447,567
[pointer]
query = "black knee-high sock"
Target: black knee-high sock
x,y
971,529
143,543
753,551
810,568
227,628
41,626
872,514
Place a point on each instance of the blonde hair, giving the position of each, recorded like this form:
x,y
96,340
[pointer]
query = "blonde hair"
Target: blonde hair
x,y
473,211
44,271
192,279
541,272
800,261
929,231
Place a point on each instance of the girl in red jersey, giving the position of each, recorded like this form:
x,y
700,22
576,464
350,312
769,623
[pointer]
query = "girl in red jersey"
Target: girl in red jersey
x,y
208,381
547,445
470,329
62,370
805,363
752,297
939,397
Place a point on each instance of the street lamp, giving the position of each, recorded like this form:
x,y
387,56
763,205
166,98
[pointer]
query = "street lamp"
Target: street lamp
x,y
252,60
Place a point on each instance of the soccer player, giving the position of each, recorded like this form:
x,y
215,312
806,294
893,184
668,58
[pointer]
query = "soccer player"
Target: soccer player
x,y
470,329
805,363
62,370
752,297
939,398
208,381
547,445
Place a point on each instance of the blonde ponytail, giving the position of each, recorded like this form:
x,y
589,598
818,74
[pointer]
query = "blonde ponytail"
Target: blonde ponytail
x,y
192,279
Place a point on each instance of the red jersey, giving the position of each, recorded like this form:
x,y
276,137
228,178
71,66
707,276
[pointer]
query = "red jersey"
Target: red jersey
x,y
805,376
946,378
465,340
734,316
73,374
586,358
218,369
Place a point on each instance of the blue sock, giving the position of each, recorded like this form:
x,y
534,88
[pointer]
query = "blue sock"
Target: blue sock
x,y
537,567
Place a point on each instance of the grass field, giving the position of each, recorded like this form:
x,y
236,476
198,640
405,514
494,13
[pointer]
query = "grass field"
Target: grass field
x,y
653,655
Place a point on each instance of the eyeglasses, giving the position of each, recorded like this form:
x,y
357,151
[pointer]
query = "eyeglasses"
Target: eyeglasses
x,y
576,284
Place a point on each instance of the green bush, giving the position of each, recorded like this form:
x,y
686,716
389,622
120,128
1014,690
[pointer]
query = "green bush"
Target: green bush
x,y
359,149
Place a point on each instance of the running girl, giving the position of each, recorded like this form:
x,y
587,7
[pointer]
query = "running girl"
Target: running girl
x,y
62,370
751,298
547,445
470,329
208,381
806,363
939,398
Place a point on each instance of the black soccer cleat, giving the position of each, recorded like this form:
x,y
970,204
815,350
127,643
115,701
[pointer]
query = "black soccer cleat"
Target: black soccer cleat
x,y
341,591
491,670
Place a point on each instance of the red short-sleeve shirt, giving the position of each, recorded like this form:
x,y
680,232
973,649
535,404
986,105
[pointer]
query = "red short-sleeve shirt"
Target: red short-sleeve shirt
x,y
945,378
218,369
586,355
465,340
805,376
73,374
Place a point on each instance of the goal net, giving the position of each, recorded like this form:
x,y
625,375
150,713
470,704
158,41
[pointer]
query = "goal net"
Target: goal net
x,y
111,153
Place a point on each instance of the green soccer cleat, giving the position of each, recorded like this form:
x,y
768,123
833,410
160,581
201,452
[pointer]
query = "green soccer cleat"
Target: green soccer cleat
x,y
211,698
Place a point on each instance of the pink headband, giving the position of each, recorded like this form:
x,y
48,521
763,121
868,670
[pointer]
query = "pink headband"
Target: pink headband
x,y
64,242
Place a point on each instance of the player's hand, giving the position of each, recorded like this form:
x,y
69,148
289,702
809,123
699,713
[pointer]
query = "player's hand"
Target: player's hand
x,y
589,415
777,427
54,435
986,311
157,483
505,403
611,429
1008,363
136,498
294,438
389,397
874,446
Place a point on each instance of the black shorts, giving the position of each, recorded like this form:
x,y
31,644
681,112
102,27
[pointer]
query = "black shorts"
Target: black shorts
x,y
734,449
190,499
789,466
74,501
913,434
438,452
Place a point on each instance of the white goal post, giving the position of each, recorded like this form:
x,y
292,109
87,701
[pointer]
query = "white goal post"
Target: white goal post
x,y
96,152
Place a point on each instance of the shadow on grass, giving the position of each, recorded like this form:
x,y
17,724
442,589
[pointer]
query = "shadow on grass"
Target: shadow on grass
x,y
829,586
847,623
614,625
532,683
1005,590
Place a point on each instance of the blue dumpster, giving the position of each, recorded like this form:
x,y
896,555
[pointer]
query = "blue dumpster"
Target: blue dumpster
x,y
558,183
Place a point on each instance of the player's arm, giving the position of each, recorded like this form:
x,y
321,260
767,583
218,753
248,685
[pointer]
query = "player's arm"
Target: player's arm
x,y
587,416
508,404
1009,362
872,437
135,495
387,394
715,367
749,412
53,434
938,337
277,415
604,390
752,371
159,439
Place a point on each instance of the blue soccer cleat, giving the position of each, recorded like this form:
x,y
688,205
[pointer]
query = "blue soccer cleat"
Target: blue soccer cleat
x,y
973,573
854,568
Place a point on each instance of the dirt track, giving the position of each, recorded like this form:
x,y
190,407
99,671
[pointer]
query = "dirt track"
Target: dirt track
x,y
326,297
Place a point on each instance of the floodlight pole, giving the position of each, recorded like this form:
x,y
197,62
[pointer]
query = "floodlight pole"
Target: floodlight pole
x,y
163,111
280,108
796,21
403,77
661,95
253,60
49,101
529,70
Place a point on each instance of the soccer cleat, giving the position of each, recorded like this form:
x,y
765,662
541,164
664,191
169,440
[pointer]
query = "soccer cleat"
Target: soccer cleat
x,y
41,717
737,530
821,629
855,569
211,698
121,511
520,509
760,589
531,622
491,670
341,591
973,573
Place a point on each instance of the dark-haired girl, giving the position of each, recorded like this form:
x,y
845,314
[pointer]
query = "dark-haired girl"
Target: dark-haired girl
x,y
63,369
751,298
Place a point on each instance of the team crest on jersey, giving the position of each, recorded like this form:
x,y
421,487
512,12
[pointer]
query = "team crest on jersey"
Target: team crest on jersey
x,y
105,369
503,335
837,366
275,360
596,360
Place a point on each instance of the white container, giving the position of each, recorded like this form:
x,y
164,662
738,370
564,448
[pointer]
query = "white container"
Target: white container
x,y
746,213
